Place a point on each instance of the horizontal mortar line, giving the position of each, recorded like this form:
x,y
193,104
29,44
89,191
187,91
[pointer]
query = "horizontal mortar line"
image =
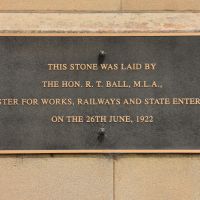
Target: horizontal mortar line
x,y
100,11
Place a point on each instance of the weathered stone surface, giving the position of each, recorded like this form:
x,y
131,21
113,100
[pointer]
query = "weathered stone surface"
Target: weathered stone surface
x,y
99,22
59,177
152,177
59,5
149,5
98,5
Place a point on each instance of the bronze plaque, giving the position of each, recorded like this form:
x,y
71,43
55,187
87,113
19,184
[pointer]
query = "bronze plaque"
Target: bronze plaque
x,y
103,94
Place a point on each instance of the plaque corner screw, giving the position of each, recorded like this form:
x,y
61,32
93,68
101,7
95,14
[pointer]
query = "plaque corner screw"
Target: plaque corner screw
x,y
101,134
102,53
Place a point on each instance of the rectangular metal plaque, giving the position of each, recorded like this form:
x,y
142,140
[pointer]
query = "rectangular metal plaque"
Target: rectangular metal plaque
x,y
99,94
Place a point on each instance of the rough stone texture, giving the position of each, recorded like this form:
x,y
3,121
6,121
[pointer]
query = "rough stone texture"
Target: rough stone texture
x,y
148,5
86,177
60,177
98,5
99,22
59,5
155,177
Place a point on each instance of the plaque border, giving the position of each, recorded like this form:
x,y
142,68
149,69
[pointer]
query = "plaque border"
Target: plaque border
x,y
81,34
101,151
